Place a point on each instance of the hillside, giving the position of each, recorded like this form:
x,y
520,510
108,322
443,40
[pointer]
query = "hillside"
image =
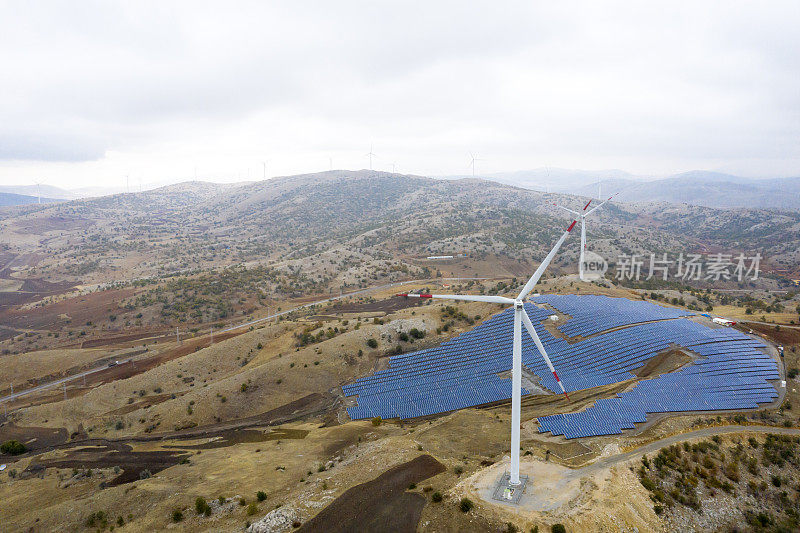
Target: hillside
x,y
708,189
202,225
198,252
9,199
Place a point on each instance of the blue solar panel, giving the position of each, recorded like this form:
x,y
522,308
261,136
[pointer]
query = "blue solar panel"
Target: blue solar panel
x,y
731,373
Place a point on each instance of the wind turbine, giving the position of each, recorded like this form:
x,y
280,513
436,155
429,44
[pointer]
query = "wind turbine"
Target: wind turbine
x,y
473,163
370,155
520,317
583,214
39,190
264,164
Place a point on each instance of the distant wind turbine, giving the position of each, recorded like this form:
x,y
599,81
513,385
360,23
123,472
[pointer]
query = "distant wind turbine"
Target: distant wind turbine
x,y
370,155
264,163
583,214
39,190
472,163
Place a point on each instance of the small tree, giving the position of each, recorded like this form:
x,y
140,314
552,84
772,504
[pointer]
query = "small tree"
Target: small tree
x,y
13,447
177,515
201,506
465,505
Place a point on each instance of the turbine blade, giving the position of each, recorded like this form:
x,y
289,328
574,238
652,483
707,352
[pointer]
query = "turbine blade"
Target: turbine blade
x,y
532,332
601,204
465,297
566,209
547,260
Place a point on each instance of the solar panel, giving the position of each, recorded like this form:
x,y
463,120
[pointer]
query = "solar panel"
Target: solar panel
x,y
732,370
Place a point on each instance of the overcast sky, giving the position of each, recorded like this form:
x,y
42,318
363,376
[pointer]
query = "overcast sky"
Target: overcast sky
x,y
92,92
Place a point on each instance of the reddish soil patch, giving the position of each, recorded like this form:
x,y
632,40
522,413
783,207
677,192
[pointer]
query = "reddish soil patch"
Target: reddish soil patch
x,y
784,337
41,225
663,363
122,339
33,438
45,287
381,504
94,307
109,455
229,437
390,305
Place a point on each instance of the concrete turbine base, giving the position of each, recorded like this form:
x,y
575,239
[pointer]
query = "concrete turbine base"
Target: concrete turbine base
x,y
505,492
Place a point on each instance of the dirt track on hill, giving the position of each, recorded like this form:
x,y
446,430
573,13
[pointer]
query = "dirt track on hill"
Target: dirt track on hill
x,y
379,505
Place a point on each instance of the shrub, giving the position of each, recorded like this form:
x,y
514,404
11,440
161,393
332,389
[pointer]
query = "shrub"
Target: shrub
x,y
417,334
201,506
252,509
372,343
377,421
97,519
242,502
465,505
13,447
558,528
458,470
436,496
261,495
177,515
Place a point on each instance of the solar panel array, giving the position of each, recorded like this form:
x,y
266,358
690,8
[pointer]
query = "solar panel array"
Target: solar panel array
x,y
605,313
731,372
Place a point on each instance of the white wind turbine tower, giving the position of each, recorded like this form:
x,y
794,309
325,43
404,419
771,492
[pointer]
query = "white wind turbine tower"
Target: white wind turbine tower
x,y
520,317
472,163
583,214
370,155
39,190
